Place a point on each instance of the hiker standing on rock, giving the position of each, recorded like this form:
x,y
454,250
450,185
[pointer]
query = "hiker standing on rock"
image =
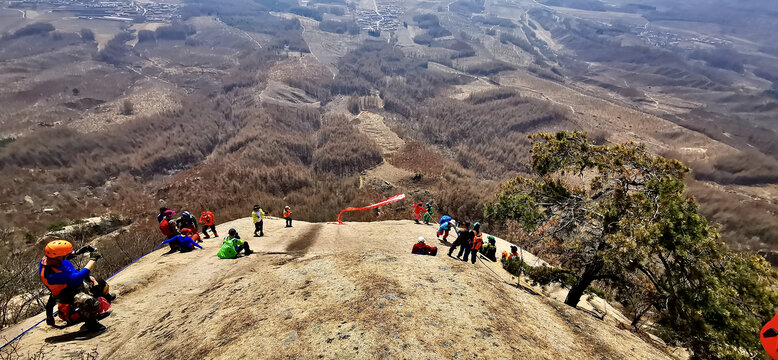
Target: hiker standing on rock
x,y
463,239
208,221
67,285
161,214
288,216
417,209
428,213
472,247
258,215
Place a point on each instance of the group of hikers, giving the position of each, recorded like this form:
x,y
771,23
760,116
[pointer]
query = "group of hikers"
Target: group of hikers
x,y
469,239
80,297
181,234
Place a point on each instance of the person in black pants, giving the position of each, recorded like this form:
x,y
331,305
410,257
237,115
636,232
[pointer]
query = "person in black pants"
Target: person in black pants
x,y
463,239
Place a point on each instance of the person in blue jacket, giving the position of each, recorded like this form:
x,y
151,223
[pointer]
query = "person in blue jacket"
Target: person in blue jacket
x,y
181,243
66,283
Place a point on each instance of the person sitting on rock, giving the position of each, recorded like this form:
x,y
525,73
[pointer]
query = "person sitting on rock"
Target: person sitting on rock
x,y
167,226
68,285
187,221
420,248
233,245
513,255
490,250
182,243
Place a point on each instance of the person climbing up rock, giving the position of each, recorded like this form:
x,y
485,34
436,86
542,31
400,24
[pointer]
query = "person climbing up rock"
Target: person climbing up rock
x,y
417,209
233,245
490,250
463,239
258,216
288,216
475,243
181,243
446,225
167,226
428,213
420,248
208,221
79,295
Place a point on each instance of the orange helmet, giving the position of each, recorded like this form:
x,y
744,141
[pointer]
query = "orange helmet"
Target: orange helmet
x,y
186,231
58,248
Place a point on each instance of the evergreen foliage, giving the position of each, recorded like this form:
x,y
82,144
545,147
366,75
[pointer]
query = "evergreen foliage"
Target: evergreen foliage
x,y
619,215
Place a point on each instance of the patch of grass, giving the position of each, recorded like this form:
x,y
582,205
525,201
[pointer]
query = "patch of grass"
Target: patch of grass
x,y
57,226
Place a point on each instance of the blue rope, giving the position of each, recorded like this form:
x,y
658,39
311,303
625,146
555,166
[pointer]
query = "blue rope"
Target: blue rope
x,y
55,313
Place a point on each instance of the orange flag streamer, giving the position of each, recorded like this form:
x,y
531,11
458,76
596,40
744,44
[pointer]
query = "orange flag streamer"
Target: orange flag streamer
x,y
390,200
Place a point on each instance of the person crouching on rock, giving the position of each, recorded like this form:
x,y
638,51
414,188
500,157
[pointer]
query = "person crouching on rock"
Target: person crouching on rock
x,y
490,250
208,221
79,295
420,248
233,245
182,242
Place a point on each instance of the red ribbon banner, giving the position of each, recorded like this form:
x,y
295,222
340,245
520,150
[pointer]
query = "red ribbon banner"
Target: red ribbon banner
x,y
390,200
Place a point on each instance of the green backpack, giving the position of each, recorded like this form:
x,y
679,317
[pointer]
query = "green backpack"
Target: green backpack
x,y
227,250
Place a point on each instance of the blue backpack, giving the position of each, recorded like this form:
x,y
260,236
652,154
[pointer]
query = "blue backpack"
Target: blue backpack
x,y
445,219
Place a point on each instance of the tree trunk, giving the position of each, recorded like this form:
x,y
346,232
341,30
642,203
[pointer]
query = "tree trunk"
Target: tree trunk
x,y
590,273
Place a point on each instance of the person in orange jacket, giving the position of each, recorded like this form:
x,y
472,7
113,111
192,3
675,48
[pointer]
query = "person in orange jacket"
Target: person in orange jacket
x,y
288,216
769,337
208,221
475,244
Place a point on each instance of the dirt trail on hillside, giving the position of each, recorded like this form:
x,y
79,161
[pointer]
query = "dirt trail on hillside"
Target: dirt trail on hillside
x,y
373,126
333,292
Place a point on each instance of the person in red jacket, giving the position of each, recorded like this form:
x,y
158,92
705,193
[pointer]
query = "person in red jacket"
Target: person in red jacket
x,y
417,209
208,221
167,226
420,248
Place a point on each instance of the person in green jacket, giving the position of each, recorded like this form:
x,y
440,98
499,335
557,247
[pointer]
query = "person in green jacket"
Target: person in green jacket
x,y
258,215
233,245
490,250
428,214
